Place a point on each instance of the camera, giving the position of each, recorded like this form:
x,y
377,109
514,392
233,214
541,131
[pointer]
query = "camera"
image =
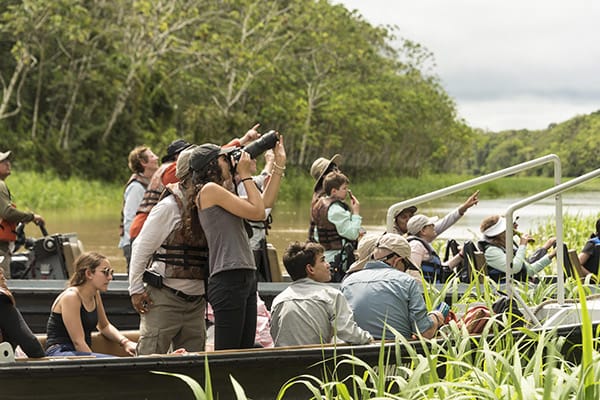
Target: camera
x,y
259,146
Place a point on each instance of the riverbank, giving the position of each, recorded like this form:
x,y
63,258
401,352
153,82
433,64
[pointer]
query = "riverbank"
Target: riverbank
x,y
45,191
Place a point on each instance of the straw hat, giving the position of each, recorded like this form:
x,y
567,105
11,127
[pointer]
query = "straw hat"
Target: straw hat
x,y
321,165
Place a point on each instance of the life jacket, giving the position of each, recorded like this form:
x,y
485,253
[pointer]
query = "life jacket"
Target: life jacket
x,y
431,268
151,197
183,259
8,230
133,178
313,225
329,237
496,274
594,259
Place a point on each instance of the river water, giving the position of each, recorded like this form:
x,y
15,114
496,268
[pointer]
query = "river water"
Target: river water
x,y
98,230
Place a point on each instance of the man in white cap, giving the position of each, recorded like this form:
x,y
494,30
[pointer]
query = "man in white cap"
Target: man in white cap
x,y
170,255
421,232
384,296
10,216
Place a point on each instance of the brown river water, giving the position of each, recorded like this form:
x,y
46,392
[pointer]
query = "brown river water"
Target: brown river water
x,y
98,230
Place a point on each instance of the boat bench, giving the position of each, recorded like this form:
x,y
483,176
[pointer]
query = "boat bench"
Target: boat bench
x,y
100,344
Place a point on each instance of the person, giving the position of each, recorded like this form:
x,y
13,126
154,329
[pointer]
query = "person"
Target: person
x,y
383,296
173,246
590,255
232,281
421,233
78,310
319,168
13,328
309,311
364,251
161,178
143,163
337,223
493,246
258,240
10,216
401,218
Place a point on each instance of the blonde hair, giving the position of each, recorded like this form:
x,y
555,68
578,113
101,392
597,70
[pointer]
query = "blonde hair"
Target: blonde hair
x,y
86,261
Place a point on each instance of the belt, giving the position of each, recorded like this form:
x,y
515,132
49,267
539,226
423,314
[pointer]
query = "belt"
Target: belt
x,y
182,295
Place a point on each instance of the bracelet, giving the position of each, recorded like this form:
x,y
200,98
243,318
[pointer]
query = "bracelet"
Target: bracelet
x,y
123,341
278,166
246,179
280,173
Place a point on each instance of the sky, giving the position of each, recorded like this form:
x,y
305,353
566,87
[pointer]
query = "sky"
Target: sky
x,y
511,64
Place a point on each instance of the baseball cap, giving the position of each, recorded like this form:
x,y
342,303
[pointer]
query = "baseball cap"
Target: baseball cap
x,y
204,154
418,222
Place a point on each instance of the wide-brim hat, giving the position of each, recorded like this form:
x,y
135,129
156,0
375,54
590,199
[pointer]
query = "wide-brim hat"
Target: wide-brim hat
x,y
204,154
364,250
182,168
176,147
411,209
5,155
321,165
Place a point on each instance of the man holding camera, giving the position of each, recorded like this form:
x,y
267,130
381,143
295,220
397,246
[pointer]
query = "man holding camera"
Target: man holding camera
x,y
10,216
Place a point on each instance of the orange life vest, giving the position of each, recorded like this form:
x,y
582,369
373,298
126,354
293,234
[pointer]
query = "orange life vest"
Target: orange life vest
x,y
8,230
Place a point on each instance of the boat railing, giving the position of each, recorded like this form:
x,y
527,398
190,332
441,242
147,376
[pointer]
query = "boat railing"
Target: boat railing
x,y
554,191
550,158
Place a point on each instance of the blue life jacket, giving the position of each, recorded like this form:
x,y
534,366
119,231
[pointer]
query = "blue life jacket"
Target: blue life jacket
x,y
592,262
431,268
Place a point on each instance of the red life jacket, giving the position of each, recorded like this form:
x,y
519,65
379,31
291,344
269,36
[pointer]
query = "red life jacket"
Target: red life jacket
x,y
8,230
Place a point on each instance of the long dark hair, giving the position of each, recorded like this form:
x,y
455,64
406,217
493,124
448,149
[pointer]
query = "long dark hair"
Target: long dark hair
x,y
596,234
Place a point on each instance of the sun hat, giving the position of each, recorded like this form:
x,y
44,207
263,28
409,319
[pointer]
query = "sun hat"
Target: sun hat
x,y
410,209
176,147
496,229
395,243
365,248
205,153
321,165
418,222
4,156
183,162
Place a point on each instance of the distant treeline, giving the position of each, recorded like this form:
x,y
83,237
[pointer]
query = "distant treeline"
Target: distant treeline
x,y
85,81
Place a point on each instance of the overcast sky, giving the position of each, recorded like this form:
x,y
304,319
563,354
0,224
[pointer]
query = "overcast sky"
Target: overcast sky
x,y
508,64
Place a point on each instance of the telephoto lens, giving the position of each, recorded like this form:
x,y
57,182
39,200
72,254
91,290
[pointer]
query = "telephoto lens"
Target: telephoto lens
x,y
262,144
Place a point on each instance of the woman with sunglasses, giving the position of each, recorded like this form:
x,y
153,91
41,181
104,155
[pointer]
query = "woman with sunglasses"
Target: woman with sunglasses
x,y
78,310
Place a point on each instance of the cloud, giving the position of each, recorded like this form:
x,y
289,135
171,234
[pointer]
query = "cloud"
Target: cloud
x,y
497,51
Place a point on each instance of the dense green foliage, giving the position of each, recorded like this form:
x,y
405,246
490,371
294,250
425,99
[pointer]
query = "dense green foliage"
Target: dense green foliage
x,y
84,81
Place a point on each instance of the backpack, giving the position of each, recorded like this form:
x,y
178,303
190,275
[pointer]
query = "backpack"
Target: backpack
x,y
342,262
475,319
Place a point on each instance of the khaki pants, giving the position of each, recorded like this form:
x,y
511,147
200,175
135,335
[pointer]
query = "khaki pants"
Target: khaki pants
x,y
5,263
171,323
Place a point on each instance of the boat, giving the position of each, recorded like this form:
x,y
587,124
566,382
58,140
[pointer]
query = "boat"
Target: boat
x,y
260,372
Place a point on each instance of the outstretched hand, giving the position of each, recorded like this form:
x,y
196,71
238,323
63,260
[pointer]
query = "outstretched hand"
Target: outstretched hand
x,y
470,202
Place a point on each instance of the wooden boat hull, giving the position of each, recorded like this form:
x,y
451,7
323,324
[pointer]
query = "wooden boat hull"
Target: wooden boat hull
x,y
261,372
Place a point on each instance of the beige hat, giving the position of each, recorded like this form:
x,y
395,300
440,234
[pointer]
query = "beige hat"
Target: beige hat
x,y
4,156
418,222
321,164
365,248
410,209
183,162
395,243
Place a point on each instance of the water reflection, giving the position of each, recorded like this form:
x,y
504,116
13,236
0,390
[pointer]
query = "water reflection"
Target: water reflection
x,y
99,230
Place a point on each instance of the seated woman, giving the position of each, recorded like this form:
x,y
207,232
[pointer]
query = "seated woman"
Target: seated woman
x,y
13,328
493,246
78,310
590,255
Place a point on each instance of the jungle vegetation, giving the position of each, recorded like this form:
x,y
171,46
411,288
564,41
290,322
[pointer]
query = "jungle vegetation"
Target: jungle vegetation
x,y
84,81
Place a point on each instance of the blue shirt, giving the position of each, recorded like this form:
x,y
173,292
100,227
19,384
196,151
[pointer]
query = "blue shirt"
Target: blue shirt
x,y
380,295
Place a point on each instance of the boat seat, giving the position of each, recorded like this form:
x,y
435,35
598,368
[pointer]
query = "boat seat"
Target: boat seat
x,y
100,344
273,263
71,250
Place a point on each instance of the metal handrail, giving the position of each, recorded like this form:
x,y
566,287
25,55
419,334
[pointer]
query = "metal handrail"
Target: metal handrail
x,y
556,190
474,182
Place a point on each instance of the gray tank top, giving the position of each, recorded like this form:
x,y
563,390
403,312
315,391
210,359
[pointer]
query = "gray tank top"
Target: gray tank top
x,y
228,244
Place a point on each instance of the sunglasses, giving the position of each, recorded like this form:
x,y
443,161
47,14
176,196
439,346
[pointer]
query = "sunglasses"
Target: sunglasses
x,y
107,271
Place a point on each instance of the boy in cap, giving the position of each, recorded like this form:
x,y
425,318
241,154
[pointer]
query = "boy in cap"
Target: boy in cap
x,y
10,216
384,296
338,225
309,311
